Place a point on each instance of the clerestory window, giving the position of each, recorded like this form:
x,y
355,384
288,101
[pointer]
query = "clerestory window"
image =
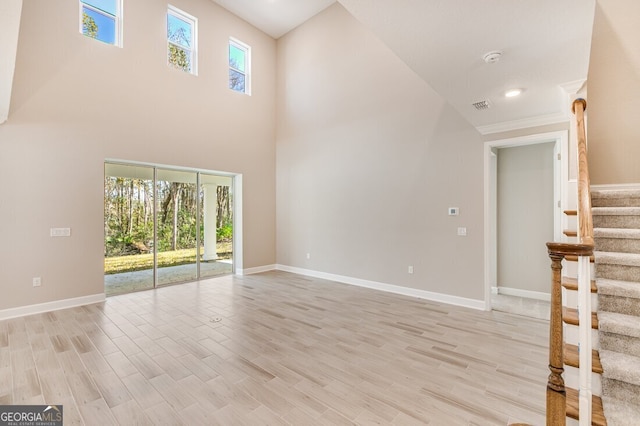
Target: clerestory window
x,y
181,40
239,66
102,20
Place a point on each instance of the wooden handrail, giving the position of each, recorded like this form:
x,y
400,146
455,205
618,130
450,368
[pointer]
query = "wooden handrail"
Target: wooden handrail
x,y
585,221
585,231
556,393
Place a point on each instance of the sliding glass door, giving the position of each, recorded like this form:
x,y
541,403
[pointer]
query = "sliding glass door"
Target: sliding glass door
x,y
128,228
177,207
165,226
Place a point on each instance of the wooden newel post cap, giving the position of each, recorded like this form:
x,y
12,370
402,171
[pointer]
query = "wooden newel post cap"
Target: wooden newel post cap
x,y
579,100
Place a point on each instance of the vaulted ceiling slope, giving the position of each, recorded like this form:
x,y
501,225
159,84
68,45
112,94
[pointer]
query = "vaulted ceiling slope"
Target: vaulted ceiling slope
x,y
275,17
10,11
545,46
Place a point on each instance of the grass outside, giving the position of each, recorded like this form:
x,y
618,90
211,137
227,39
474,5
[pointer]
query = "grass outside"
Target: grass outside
x,y
141,262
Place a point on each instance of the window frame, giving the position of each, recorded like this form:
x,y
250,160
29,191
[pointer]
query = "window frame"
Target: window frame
x,y
247,64
118,18
193,50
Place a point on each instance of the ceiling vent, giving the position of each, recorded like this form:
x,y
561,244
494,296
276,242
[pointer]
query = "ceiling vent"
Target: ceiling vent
x,y
481,105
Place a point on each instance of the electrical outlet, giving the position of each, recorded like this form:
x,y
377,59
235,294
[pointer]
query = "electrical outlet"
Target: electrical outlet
x,y
37,281
462,232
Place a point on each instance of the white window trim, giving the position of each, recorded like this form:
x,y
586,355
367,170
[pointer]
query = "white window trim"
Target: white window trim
x,y
180,14
247,63
119,18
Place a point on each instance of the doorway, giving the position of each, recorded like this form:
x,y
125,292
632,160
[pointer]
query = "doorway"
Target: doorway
x,y
525,184
165,225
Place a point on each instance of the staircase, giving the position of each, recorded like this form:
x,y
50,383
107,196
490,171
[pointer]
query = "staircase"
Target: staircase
x,y
616,221
607,247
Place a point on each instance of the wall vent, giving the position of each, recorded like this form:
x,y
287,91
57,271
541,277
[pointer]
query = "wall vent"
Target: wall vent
x,y
481,105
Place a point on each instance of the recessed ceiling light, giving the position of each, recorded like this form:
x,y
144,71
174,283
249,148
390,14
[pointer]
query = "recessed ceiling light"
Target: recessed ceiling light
x,y
512,93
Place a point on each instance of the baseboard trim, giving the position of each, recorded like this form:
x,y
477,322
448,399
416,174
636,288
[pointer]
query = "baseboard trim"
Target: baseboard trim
x,y
389,288
256,270
527,294
50,306
616,186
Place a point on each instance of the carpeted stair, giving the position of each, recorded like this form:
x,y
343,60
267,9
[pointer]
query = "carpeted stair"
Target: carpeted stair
x,y
616,221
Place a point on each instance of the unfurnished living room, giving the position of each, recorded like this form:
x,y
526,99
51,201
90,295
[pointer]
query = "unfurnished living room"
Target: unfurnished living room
x,y
285,212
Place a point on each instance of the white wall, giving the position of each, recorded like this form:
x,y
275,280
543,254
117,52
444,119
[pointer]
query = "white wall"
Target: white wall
x,y
76,102
369,158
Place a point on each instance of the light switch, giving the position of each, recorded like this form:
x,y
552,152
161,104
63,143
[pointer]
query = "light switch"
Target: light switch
x,y
462,232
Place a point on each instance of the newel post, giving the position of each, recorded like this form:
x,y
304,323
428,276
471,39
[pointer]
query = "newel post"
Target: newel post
x,y
556,395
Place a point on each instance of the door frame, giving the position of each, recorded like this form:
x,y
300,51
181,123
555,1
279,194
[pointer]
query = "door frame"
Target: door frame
x,y
560,183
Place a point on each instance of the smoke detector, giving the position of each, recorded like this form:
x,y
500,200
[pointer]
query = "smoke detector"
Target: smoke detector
x,y
492,57
481,105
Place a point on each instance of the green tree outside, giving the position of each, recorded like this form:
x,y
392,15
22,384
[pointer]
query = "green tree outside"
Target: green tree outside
x,y
179,58
129,214
89,26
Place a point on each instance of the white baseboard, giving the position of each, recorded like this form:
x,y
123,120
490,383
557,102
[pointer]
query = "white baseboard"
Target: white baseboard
x,y
51,306
527,294
390,288
256,270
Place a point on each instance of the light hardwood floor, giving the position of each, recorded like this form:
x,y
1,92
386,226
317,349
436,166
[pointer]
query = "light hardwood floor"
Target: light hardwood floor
x,y
276,349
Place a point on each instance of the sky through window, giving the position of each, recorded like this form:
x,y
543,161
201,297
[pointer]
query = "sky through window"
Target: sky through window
x,y
100,20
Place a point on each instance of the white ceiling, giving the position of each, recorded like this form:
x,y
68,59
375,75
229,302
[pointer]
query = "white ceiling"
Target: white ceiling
x,y
275,17
545,46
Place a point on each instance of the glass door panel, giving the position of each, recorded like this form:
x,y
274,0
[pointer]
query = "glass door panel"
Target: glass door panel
x,y
216,232
128,228
165,226
177,224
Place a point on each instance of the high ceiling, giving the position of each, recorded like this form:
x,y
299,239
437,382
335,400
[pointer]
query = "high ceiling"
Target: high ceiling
x,y
275,17
545,48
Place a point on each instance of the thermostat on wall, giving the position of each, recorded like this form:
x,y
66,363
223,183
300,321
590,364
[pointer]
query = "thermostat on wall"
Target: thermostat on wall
x,y
453,211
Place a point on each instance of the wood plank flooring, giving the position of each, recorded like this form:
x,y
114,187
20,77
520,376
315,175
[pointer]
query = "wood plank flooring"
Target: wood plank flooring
x,y
287,350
